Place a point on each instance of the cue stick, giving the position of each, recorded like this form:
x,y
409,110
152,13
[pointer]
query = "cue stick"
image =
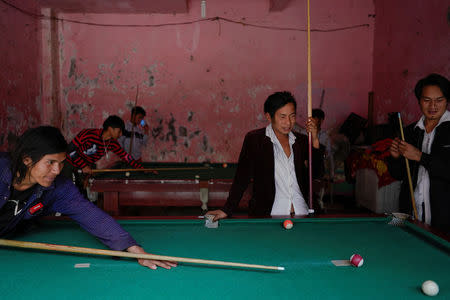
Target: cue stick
x,y
309,113
71,249
408,171
132,129
148,169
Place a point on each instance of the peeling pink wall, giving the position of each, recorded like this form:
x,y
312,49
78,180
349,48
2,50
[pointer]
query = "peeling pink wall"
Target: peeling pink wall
x,y
20,103
204,84
412,39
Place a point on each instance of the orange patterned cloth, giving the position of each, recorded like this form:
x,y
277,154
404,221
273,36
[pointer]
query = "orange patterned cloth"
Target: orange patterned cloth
x,y
372,158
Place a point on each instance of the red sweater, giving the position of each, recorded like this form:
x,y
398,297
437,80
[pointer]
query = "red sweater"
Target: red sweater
x,y
88,147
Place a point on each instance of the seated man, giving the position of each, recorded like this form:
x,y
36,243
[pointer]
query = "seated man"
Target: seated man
x,y
275,159
92,144
32,187
135,135
427,147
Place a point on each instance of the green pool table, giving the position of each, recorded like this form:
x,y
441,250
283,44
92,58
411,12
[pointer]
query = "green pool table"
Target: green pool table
x,y
397,261
176,184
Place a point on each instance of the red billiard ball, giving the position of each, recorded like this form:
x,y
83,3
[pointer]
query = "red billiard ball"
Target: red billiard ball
x,y
288,224
225,165
356,260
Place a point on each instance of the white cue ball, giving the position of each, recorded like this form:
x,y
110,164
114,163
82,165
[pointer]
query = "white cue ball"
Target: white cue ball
x,y
430,288
127,174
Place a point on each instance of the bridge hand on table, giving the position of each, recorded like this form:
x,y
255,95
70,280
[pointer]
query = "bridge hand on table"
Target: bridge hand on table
x,y
152,264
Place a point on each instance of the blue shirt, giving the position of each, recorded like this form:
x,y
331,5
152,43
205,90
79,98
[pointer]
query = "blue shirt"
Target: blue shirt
x,y
63,196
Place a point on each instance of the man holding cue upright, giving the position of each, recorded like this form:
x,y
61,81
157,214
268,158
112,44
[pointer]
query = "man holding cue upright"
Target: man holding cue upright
x,y
276,160
427,147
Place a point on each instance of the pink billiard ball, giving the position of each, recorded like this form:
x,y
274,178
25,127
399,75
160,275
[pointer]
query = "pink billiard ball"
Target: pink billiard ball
x,y
288,224
356,260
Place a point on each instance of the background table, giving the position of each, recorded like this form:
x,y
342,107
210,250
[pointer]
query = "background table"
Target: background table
x,y
182,187
397,261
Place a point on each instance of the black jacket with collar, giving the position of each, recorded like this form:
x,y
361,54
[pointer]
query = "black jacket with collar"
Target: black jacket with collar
x,y
257,164
437,163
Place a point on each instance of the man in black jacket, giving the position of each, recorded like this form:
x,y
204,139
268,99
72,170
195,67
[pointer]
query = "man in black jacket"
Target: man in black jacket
x,y
427,147
275,159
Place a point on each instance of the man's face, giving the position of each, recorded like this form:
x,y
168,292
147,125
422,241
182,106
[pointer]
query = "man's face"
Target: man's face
x,y
432,103
45,170
318,122
136,119
283,120
116,133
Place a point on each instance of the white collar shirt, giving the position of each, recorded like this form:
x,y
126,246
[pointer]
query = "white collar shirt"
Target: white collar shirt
x,y
287,190
422,190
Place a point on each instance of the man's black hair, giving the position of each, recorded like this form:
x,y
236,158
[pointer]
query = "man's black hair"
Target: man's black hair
x,y
436,80
137,110
318,113
277,100
35,143
114,122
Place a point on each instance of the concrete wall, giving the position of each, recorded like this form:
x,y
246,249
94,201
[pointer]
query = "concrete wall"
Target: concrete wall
x,y
20,100
412,39
204,84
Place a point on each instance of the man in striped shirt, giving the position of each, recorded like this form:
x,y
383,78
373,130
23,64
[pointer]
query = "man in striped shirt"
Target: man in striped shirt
x,y
92,144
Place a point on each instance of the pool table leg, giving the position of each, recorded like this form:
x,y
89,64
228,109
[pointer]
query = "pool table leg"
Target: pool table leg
x,y
111,203
204,198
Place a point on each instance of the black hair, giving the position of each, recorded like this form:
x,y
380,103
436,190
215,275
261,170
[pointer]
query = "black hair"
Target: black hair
x,y
277,100
114,122
433,79
35,143
137,110
318,113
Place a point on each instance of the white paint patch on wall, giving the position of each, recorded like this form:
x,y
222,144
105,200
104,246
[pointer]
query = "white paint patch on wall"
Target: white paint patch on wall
x,y
235,108
253,92
195,39
260,117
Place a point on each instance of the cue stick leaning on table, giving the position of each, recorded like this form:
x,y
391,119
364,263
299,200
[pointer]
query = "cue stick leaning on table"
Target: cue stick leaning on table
x,y
311,208
71,249
408,171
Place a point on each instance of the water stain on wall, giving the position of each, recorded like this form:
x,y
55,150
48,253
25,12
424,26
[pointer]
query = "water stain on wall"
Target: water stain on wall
x,y
171,130
168,135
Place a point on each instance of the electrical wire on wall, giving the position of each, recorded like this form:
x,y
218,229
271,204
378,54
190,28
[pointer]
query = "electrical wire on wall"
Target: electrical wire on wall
x,y
212,19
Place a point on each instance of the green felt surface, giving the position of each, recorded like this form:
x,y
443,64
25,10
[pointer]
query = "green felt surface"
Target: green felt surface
x,y
397,261
203,171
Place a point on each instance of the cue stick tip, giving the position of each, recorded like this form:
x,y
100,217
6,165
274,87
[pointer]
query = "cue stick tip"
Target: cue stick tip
x,y
281,268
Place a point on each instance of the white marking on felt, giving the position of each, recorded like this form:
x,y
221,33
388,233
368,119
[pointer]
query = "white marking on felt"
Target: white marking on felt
x,y
341,263
83,265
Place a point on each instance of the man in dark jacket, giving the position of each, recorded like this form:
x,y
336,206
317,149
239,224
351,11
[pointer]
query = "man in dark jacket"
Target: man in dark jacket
x,y
427,147
276,160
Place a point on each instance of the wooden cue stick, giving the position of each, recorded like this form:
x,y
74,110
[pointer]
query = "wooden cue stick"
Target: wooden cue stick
x,y
145,170
132,129
411,191
309,112
71,249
